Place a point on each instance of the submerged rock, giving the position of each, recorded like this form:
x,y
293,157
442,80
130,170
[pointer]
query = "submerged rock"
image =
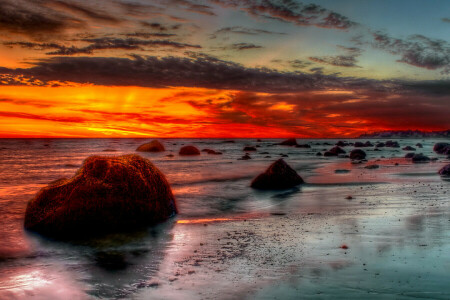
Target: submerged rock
x,y
245,157
357,154
107,194
392,144
249,148
210,151
279,175
303,146
153,146
289,142
189,150
409,148
445,170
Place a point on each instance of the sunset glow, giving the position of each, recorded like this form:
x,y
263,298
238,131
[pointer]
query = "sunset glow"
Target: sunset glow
x,y
220,69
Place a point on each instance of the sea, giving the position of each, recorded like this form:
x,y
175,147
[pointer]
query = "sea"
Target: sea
x,y
389,240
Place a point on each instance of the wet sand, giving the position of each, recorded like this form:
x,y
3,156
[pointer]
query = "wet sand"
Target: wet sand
x,y
232,242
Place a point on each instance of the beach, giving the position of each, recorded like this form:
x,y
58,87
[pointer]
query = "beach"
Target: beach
x,y
229,241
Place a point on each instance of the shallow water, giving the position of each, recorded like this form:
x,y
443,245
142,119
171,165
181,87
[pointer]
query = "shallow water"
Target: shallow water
x,y
232,242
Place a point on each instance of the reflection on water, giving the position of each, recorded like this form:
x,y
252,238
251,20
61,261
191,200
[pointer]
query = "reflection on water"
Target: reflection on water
x,y
230,241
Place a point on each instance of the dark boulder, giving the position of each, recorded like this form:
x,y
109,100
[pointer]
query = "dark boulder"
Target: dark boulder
x,y
368,144
392,144
189,150
334,151
107,194
357,154
418,158
210,151
341,144
409,148
278,176
249,148
380,145
318,154
359,144
445,170
409,155
442,148
419,145
303,146
153,146
289,142
245,157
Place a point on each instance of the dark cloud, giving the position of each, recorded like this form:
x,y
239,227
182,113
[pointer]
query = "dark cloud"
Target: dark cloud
x,y
242,31
291,11
82,10
200,70
28,19
417,50
147,35
159,26
299,64
101,44
447,20
240,46
191,6
347,60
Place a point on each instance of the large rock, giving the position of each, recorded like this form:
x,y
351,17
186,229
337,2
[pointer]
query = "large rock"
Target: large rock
x,y
334,151
409,148
153,146
442,148
278,176
107,194
189,150
289,142
445,171
357,154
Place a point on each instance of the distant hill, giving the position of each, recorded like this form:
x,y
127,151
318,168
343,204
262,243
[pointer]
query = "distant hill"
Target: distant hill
x,y
406,134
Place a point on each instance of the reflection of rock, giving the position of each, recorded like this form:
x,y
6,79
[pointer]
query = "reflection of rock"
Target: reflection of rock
x,y
107,194
153,146
279,175
445,171
334,151
420,158
357,154
289,142
371,167
189,150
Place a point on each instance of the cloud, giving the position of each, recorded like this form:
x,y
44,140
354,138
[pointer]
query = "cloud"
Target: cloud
x,y
240,46
348,60
418,50
292,12
82,10
447,20
28,19
242,31
101,44
200,70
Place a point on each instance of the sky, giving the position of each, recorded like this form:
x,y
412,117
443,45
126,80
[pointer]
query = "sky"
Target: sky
x,y
223,68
